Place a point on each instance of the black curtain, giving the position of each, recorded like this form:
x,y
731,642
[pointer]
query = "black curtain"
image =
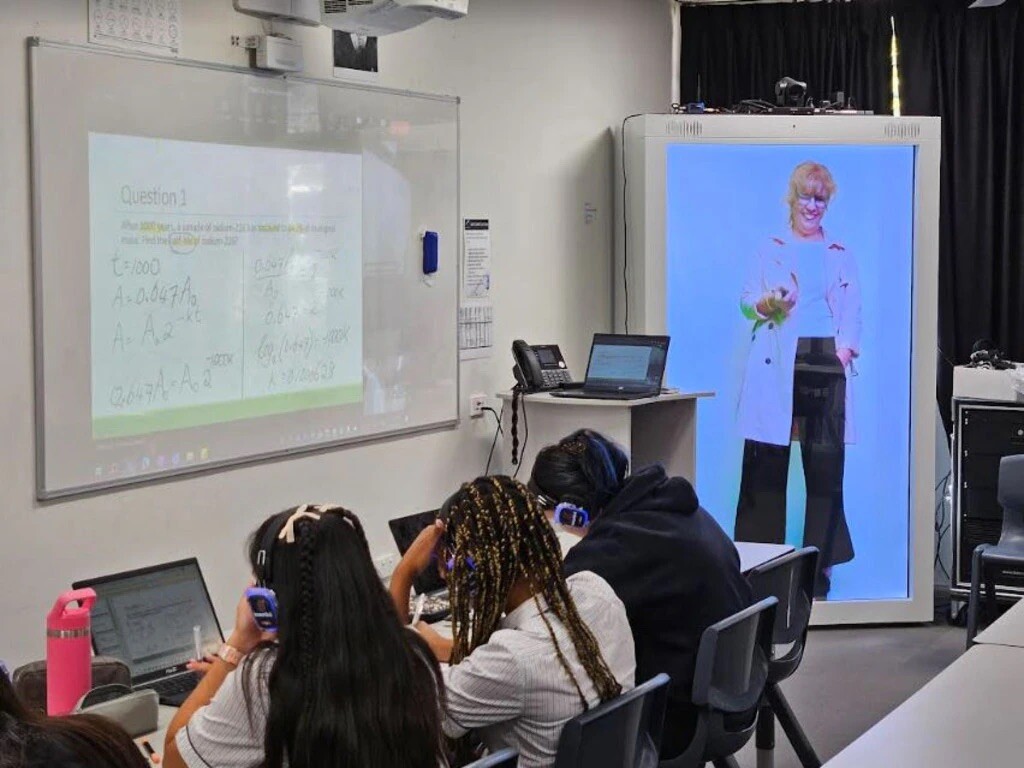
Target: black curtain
x,y
967,66
736,52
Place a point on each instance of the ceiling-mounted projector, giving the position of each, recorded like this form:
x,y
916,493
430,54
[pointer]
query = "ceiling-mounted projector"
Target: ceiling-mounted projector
x,y
384,17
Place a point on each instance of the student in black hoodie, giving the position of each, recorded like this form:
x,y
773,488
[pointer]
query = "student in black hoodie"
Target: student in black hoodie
x,y
671,564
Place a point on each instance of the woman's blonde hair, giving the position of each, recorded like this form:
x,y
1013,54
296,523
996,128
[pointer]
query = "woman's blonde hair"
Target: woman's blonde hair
x,y
807,176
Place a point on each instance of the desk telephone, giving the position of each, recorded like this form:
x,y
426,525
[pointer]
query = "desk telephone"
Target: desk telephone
x,y
539,368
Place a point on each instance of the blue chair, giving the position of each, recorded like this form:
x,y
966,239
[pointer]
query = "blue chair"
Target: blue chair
x,y
991,560
790,579
729,680
622,733
506,758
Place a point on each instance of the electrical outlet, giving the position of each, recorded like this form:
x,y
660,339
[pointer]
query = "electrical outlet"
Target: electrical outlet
x,y
476,406
385,564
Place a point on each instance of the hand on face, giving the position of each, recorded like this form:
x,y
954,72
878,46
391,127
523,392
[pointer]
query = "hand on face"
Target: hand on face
x,y
246,635
845,355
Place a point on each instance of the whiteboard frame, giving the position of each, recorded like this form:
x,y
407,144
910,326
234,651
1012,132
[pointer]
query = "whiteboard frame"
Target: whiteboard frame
x,y
93,489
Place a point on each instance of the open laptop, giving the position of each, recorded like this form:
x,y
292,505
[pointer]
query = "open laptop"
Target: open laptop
x,y
146,619
429,583
623,367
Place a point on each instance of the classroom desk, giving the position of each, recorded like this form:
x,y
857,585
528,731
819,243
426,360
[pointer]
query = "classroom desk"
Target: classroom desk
x,y
966,717
660,429
1008,629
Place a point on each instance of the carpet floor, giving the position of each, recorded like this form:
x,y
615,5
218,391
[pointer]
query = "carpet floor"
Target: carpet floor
x,y
851,678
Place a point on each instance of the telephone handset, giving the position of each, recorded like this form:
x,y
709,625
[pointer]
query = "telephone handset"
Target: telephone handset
x,y
540,367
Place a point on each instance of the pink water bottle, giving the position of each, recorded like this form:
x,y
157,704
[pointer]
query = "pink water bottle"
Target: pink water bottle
x,y
68,651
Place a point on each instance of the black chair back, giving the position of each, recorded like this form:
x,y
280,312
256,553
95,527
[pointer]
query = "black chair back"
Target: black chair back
x,y
732,659
731,674
789,579
622,733
1011,499
506,758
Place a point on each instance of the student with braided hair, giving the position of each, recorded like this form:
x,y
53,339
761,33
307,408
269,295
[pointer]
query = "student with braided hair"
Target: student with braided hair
x,y
339,683
675,569
530,649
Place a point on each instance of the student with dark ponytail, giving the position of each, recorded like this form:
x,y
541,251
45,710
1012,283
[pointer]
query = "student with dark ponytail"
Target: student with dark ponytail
x,y
531,649
673,567
338,682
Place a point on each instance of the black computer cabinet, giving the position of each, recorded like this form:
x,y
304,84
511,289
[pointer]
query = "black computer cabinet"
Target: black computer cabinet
x,y
983,433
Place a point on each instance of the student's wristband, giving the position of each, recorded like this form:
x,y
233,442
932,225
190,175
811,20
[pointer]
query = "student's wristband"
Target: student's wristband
x,y
230,655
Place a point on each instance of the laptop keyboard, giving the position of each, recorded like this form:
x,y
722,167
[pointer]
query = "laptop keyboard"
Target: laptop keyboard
x,y
174,690
435,608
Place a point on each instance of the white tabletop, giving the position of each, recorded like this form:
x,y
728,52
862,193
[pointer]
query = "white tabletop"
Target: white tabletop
x,y
754,554
546,398
1007,630
968,716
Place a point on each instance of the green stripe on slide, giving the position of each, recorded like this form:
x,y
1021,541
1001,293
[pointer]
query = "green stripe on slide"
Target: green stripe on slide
x,y
214,413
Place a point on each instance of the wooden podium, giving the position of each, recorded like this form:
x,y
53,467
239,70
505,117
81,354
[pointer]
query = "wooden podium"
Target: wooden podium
x,y
660,429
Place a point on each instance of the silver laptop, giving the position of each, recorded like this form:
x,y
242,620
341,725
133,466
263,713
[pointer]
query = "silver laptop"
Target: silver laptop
x,y
146,618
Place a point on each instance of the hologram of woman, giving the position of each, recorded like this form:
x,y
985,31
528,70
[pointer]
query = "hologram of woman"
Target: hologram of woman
x,y
802,299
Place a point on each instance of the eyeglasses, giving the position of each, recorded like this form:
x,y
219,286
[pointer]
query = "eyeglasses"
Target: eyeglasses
x,y
806,199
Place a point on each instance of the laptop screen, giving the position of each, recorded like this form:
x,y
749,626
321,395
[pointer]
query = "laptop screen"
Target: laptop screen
x,y
145,618
405,530
627,363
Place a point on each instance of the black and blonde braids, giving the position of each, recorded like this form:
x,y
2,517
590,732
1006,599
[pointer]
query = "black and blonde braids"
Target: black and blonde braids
x,y
496,522
478,592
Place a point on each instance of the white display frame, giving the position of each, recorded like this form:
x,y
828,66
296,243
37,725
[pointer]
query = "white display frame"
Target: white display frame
x,y
640,269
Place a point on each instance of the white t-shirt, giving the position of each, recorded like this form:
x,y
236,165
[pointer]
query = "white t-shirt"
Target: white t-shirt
x,y
812,314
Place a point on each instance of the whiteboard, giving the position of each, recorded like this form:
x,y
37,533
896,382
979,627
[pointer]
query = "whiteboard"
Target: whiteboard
x,y
229,266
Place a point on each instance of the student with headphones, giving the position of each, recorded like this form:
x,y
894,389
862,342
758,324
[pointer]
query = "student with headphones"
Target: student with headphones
x,y
319,671
531,649
667,559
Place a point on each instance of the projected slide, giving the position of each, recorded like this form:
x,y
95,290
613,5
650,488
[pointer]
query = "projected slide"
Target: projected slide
x,y
789,294
226,282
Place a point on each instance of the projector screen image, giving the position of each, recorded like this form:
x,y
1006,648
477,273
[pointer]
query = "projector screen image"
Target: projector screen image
x,y
213,302
789,294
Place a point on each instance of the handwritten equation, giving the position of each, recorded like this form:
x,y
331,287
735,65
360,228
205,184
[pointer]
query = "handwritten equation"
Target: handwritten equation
x,y
197,313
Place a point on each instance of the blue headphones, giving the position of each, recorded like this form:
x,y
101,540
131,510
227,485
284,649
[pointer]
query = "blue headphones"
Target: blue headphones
x,y
261,598
567,513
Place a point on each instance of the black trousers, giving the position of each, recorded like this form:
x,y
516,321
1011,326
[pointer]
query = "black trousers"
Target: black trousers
x,y
819,421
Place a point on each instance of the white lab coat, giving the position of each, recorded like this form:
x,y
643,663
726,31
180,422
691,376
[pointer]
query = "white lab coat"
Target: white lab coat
x,y
766,398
